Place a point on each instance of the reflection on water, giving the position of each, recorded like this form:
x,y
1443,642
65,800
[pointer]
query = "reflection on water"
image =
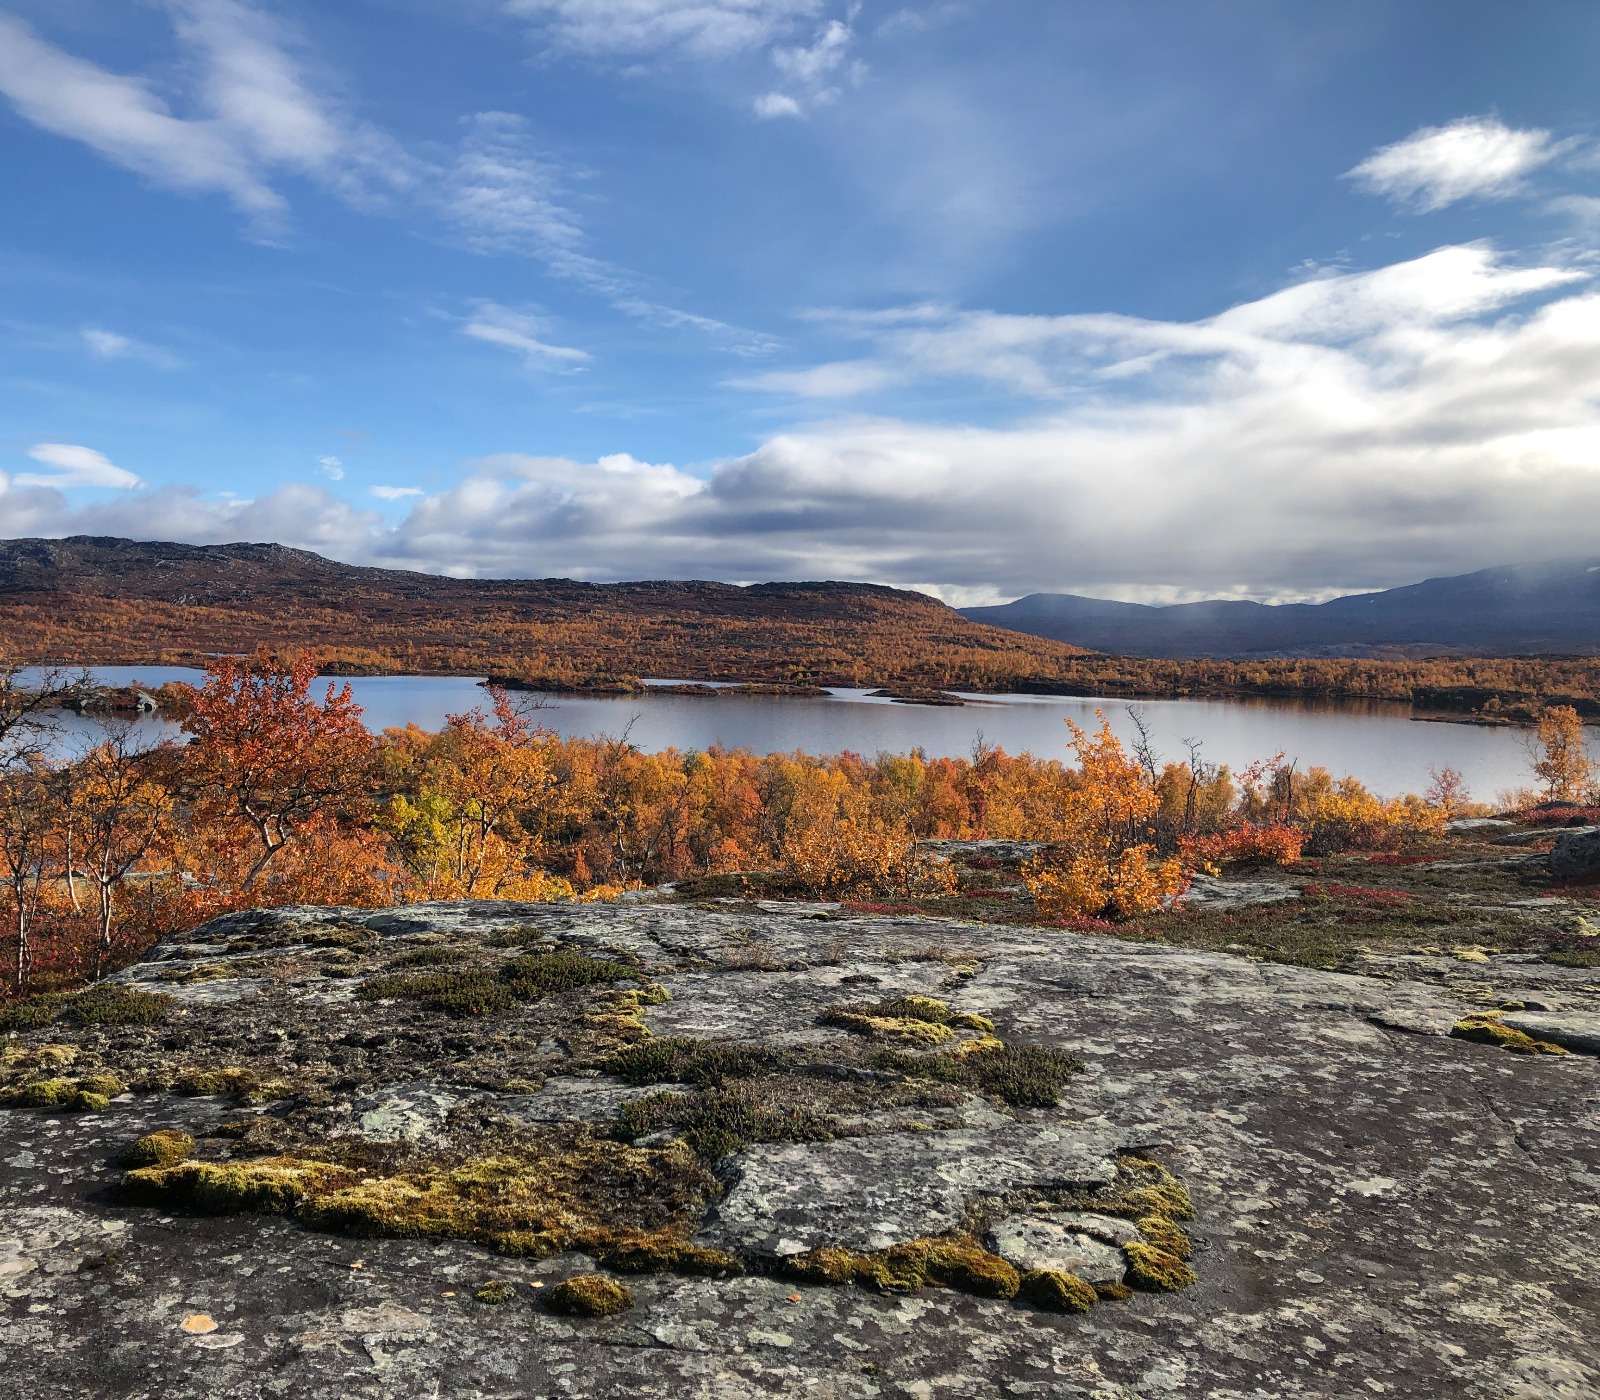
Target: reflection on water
x,y
1379,743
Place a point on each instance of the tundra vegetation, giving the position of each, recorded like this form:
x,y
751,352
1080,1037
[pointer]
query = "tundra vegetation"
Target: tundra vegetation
x,y
281,797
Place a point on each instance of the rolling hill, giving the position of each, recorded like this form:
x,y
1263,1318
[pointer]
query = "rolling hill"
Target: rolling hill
x,y
86,600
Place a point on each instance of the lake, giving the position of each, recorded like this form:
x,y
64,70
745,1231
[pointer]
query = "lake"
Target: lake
x,y
1379,743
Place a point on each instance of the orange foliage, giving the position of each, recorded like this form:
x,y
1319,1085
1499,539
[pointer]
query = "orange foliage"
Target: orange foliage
x,y
282,797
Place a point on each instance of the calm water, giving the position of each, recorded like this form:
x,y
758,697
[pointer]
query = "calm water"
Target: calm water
x,y
1378,743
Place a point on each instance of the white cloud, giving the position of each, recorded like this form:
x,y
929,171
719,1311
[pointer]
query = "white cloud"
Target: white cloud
x,y
815,63
519,332
71,465
396,493
332,467
1050,357
255,115
776,104
1472,158
1349,432
841,380
112,345
704,28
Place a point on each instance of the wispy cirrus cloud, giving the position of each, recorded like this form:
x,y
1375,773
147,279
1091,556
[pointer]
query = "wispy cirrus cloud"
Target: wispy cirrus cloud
x,y
258,114
701,28
1471,158
521,333
103,344
253,116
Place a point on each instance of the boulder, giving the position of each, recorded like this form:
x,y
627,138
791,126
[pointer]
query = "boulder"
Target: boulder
x,y
1576,854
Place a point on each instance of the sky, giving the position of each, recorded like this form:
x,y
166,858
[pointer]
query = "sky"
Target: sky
x,y
1162,300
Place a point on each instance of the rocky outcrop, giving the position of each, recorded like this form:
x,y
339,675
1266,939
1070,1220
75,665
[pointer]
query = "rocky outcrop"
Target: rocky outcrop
x,y
827,1155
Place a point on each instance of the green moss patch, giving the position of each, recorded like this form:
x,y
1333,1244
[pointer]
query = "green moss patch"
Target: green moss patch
x,y
158,1149
113,1005
1055,1291
481,992
715,1122
1029,1076
1487,1029
686,1060
912,1020
589,1295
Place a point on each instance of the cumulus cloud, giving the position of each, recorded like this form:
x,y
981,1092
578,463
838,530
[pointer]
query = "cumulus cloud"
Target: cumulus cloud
x,y
771,105
520,332
72,465
255,116
1349,431
396,493
332,467
1473,158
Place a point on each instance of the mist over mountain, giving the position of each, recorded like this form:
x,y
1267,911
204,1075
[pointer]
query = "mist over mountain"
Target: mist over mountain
x,y
1516,609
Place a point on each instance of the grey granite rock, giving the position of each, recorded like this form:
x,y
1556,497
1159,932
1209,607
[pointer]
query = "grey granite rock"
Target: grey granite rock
x,y
1575,854
1378,1213
1031,1242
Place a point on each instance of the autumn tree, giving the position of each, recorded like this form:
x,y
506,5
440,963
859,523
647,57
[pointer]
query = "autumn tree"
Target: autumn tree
x,y
462,832
269,762
28,832
1107,862
1562,761
122,804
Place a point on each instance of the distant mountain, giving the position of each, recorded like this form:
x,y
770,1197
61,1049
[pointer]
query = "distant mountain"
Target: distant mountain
x,y
1515,610
100,600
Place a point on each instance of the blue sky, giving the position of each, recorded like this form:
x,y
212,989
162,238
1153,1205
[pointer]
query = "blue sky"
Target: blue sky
x,y
1157,300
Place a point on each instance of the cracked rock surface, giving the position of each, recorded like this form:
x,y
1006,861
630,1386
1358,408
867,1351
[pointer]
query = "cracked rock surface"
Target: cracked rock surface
x,y
1381,1209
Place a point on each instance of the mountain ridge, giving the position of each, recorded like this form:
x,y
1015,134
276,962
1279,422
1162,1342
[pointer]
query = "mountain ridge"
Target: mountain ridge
x,y
1510,609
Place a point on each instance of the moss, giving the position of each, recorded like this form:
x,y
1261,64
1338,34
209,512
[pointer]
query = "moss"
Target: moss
x,y
686,1060
244,1084
43,1093
1055,1291
479,992
31,1013
906,1029
428,957
119,1006
716,1122
1583,958
1155,1270
584,1193
588,1295
660,1254
949,1262
106,1085
495,1291
1029,1076
921,1021
1164,1235
1487,1029
269,1187
158,1149
85,1102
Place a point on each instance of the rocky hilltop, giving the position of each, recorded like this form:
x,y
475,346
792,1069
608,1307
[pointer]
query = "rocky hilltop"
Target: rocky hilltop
x,y
721,1147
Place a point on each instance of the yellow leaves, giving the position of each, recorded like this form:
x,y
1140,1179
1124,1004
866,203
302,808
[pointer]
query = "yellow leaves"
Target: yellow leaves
x,y
1106,862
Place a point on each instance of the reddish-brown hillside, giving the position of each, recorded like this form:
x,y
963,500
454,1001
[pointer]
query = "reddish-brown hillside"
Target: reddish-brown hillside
x,y
100,600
